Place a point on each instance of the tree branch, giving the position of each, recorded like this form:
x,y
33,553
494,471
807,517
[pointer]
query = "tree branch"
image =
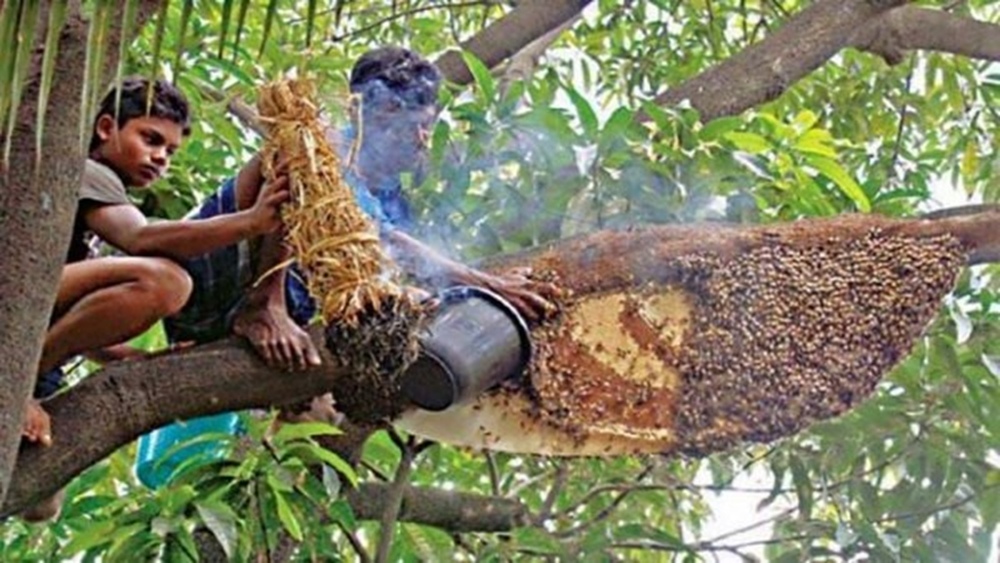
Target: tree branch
x,y
910,27
763,71
502,39
125,400
449,510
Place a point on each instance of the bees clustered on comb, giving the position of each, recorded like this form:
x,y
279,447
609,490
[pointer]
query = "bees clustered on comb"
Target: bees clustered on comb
x,y
371,320
781,336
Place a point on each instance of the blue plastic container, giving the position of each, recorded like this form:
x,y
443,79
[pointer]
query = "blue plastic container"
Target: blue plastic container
x,y
157,457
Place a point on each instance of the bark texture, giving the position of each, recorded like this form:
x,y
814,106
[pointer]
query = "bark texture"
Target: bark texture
x,y
37,203
505,37
763,71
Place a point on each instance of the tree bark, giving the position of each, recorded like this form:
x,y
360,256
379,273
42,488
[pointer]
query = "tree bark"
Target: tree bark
x,y
763,71
449,510
530,20
767,69
909,27
37,204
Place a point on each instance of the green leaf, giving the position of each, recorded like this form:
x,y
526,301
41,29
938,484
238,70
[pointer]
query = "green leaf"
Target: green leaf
x,y
223,523
803,487
25,45
96,46
481,75
227,15
832,170
588,119
296,431
161,22
310,21
748,142
95,534
287,517
272,8
717,128
816,141
9,16
186,9
324,455
57,18
240,22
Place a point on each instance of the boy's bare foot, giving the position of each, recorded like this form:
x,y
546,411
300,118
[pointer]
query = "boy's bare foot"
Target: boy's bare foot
x,y
276,337
37,424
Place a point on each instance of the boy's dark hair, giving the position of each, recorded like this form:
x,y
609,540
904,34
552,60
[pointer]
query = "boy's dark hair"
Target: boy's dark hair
x,y
399,69
162,99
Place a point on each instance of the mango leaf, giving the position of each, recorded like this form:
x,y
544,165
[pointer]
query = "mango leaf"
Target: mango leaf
x,y
832,170
586,114
484,80
222,522
287,517
297,431
748,142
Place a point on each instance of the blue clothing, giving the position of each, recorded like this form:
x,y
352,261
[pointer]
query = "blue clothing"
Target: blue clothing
x,y
49,383
221,278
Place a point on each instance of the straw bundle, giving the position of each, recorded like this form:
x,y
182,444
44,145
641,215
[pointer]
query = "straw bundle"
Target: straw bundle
x,y
332,239
371,321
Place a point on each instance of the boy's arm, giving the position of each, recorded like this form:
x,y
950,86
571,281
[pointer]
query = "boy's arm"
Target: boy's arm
x,y
529,297
125,227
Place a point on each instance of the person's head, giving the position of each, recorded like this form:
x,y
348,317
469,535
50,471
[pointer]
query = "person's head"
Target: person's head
x,y
398,92
413,79
137,134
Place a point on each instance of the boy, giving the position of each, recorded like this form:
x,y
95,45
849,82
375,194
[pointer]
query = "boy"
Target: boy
x,y
102,302
398,91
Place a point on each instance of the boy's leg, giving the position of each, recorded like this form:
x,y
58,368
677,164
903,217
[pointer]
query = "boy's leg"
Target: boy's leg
x,y
106,301
263,318
101,302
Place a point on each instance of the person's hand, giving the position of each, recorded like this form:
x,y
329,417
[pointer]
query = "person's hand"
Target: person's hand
x,y
266,211
532,298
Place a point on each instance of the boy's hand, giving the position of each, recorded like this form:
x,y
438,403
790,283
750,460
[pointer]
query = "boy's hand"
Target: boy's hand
x,y
266,211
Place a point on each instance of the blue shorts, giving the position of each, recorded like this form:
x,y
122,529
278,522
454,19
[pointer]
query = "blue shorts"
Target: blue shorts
x,y
221,280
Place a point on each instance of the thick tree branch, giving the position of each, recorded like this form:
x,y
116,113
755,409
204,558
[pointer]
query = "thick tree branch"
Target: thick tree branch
x,y
909,28
128,399
449,510
527,22
763,71
125,400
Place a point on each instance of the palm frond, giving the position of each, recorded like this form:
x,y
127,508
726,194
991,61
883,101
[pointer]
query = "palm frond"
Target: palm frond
x,y
161,21
240,22
227,14
10,12
57,18
26,25
182,32
97,39
310,22
272,9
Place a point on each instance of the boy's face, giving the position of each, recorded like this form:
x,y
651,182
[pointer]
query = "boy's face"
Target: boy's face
x,y
140,150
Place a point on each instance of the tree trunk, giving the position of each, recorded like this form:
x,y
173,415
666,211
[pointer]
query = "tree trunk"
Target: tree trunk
x,y
37,205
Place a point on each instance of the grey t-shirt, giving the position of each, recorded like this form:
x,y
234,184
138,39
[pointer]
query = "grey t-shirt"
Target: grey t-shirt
x,y
100,186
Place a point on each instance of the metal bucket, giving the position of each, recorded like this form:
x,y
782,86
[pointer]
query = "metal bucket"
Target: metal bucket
x,y
474,341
